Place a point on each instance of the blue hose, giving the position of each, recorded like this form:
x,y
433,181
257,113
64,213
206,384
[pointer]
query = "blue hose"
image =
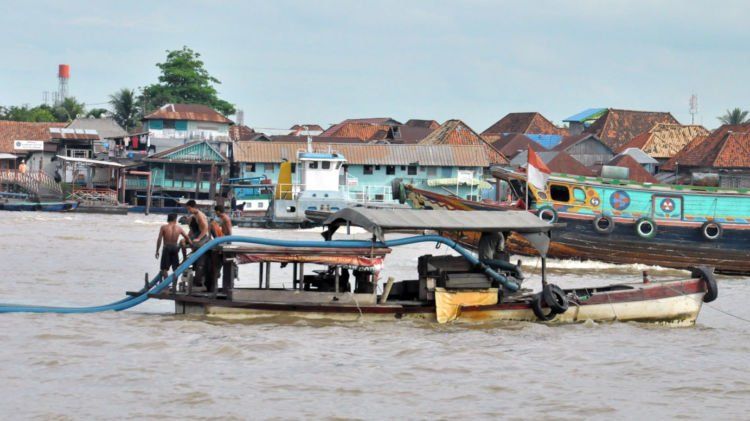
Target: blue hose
x,y
158,286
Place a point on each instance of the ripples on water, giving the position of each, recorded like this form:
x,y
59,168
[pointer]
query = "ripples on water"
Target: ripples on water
x,y
148,363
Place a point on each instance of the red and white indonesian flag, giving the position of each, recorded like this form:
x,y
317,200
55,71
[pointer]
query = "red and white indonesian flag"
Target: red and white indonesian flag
x,y
537,171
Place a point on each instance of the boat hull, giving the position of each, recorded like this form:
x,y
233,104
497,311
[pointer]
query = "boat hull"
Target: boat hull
x,y
675,245
675,303
39,206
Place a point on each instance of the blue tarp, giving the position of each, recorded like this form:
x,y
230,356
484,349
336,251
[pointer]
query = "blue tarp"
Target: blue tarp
x,y
584,115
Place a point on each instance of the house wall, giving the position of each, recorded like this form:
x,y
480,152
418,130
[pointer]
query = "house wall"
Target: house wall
x,y
187,131
590,152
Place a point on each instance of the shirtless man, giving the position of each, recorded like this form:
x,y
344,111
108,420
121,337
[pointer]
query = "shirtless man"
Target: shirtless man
x,y
199,237
200,218
224,221
170,233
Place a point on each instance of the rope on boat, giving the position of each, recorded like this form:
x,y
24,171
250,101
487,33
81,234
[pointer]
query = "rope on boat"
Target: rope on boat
x,y
158,284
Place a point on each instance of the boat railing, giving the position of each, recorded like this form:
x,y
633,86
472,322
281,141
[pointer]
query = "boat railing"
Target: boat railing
x,y
369,194
35,182
94,196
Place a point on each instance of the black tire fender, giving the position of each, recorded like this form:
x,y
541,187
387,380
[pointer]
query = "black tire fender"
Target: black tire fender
x,y
711,226
707,274
536,306
604,224
547,210
396,190
555,298
642,222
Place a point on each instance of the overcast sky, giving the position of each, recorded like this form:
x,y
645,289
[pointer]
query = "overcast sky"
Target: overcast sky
x,y
285,62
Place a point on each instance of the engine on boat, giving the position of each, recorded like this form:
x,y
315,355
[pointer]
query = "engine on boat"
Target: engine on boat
x,y
450,272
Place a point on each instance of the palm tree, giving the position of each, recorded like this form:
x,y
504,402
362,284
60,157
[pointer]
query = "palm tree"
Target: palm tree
x,y
124,109
734,117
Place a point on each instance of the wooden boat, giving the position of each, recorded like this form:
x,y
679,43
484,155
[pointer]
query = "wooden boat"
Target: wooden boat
x,y
65,206
446,288
625,222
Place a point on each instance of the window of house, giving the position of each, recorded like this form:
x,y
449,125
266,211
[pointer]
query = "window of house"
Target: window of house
x,y
313,165
326,165
432,171
390,169
403,168
250,167
412,170
367,170
446,172
294,168
169,124
268,167
377,168
559,193
79,153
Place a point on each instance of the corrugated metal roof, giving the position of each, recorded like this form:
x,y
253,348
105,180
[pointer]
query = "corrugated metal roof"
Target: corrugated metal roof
x,y
11,131
370,154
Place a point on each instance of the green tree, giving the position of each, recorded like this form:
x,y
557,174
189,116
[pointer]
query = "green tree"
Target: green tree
x,y
68,110
40,113
97,112
734,117
184,80
124,108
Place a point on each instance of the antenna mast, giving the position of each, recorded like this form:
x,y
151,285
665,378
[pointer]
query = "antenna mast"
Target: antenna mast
x,y
693,107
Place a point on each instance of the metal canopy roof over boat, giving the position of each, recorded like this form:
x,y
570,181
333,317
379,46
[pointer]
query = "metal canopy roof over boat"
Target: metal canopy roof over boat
x,y
92,162
378,221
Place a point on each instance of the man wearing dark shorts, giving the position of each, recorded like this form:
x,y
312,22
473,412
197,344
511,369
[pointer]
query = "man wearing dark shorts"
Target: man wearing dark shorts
x,y
170,254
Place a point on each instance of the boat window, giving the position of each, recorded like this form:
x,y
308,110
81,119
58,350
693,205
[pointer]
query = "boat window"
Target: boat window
x,y
313,165
559,193
338,165
390,169
579,195
326,165
367,169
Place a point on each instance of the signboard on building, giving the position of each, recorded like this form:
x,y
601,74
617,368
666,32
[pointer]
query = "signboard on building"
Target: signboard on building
x,y
464,176
28,145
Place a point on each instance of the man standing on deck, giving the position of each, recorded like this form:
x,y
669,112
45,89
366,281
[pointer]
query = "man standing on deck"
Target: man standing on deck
x,y
170,233
225,223
200,237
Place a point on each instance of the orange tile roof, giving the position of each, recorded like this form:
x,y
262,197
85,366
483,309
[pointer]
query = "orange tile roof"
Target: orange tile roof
x,y
532,123
17,130
456,132
615,128
364,131
726,147
665,140
192,112
636,172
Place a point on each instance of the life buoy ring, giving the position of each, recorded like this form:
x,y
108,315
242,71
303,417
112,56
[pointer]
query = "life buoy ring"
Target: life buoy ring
x,y
604,224
555,298
547,214
645,228
711,231
707,274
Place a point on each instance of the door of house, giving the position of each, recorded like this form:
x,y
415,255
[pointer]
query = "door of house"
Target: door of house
x,y
666,207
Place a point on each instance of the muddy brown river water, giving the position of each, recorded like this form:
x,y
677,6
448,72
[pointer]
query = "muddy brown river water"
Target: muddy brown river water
x,y
147,363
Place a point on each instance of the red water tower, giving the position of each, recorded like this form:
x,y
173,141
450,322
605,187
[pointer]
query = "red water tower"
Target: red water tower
x,y
63,74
